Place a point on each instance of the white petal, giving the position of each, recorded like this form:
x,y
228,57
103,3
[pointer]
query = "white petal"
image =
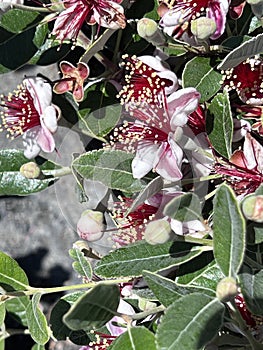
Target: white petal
x,y
143,161
49,118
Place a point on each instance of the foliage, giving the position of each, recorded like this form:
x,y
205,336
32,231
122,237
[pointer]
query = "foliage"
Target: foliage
x,y
171,125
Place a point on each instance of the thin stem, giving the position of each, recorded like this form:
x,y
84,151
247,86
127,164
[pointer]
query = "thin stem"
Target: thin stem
x,y
32,290
117,46
31,8
144,314
243,327
191,239
58,172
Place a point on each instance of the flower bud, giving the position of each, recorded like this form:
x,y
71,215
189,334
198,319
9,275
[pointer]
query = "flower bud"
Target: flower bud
x,y
90,225
158,232
30,170
148,29
252,207
203,27
226,289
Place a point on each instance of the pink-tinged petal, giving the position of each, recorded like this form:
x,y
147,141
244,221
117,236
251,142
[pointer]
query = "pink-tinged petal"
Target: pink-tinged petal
x,y
78,93
143,161
182,103
218,11
45,140
62,86
40,91
238,158
49,119
114,19
123,308
83,70
241,127
168,160
236,8
253,152
67,67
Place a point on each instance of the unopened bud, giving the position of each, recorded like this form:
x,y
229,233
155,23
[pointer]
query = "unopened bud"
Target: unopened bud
x,y
90,225
252,207
30,170
158,232
149,30
203,27
226,289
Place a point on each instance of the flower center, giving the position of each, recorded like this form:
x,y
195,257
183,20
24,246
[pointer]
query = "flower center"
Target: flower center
x,y
143,84
19,113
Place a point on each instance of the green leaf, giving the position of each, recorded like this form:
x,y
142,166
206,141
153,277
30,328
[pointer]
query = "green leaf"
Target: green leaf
x,y
153,187
220,124
2,312
94,308
12,182
248,49
190,323
199,73
40,34
81,264
16,20
133,259
111,167
58,327
2,344
101,121
50,51
166,290
185,207
17,49
37,322
206,277
153,14
38,347
16,307
136,338
12,277
252,290
229,235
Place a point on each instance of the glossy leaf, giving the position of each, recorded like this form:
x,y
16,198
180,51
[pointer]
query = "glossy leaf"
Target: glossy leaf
x,y
12,277
220,124
15,20
133,259
136,338
112,168
37,322
167,291
199,73
58,327
38,347
81,264
185,207
229,232
94,308
17,50
248,49
190,323
206,277
252,289
150,190
12,182
101,121
16,307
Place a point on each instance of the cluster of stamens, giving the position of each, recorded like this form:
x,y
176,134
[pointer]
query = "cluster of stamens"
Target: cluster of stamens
x,y
103,341
142,84
247,79
19,113
131,227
